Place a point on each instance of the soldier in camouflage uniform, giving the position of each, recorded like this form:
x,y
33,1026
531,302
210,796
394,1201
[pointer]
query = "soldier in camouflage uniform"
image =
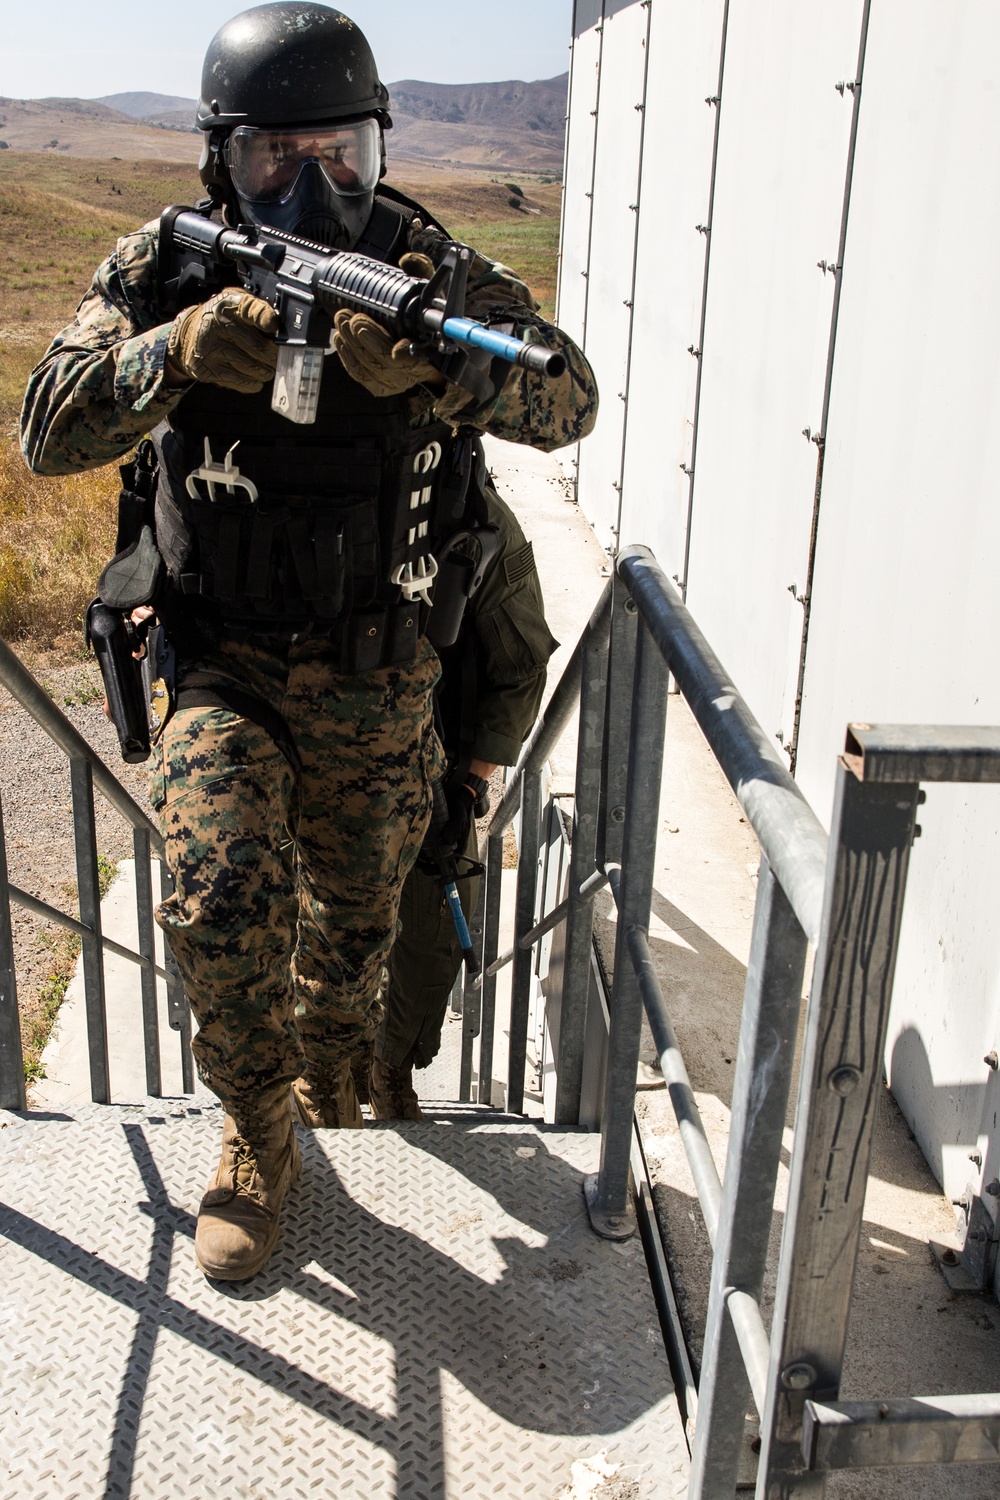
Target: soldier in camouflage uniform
x,y
304,680
488,697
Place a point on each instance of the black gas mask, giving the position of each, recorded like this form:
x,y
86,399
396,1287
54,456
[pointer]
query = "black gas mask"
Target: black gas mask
x,y
315,181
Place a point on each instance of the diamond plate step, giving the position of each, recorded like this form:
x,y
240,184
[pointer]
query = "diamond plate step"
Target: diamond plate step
x,y
437,1322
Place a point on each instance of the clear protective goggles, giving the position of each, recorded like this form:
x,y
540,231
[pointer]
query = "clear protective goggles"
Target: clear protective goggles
x,y
265,164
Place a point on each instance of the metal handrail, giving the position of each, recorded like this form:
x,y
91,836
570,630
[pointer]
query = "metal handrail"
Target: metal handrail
x,y
48,913
694,1136
28,691
88,770
791,837
832,891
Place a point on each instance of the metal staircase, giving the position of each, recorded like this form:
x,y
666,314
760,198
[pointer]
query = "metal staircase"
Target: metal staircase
x,y
464,1307
439,1319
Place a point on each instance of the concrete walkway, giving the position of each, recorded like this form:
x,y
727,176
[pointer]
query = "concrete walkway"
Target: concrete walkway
x,y
572,564
66,1084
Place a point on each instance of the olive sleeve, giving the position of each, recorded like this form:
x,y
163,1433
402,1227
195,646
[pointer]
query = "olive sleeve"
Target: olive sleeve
x,y
513,643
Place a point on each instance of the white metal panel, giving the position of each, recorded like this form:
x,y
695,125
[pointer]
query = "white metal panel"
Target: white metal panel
x,y
616,176
784,137
578,181
684,47
906,608
581,133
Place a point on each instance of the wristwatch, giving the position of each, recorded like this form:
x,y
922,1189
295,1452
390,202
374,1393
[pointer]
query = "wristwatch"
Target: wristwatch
x,y
480,789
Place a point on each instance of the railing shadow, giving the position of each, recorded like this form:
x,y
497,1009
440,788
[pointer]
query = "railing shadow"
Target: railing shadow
x,y
464,1315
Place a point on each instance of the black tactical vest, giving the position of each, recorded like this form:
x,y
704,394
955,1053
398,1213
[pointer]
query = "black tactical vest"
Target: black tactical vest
x,y
323,521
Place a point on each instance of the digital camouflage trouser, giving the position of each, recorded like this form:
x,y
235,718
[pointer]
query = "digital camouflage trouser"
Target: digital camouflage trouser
x,y
278,963
423,966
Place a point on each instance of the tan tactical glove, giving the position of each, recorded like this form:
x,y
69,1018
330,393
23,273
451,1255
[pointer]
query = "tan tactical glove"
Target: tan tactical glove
x,y
383,365
228,341
415,264
387,367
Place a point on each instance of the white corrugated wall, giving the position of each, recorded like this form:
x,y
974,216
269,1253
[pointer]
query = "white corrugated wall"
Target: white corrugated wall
x,y
727,241
906,614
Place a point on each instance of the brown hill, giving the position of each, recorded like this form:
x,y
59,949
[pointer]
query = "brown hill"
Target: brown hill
x,y
501,127
172,110
172,119
84,127
94,109
510,126
538,106
463,146
142,105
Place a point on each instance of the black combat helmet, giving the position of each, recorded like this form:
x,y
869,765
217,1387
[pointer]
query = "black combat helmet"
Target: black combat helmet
x,y
272,75
281,64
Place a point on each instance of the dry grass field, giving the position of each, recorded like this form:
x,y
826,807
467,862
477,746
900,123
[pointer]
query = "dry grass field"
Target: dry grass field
x,y
59,216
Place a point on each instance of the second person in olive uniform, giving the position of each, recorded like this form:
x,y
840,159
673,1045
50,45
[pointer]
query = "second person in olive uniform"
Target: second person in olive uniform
x,y
488,697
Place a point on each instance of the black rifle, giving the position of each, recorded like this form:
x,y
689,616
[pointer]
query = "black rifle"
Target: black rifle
x,y
307,284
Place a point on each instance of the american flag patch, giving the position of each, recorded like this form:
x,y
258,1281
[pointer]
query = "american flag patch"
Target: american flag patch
x,y
520,564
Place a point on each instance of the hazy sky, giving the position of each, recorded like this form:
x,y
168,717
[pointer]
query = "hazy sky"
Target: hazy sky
x,y
86,48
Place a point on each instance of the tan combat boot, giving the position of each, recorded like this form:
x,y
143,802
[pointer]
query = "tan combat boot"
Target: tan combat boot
x,y
326,1099
392,1093
238,1220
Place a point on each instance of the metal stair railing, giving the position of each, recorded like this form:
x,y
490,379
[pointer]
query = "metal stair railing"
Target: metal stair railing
x,y
844,894
87,770
524,795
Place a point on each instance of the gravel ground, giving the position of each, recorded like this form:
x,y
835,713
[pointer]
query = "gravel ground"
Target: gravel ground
x,y
37,813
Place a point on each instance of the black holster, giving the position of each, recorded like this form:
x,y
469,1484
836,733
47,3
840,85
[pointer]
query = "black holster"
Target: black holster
x,y
122,674
459,578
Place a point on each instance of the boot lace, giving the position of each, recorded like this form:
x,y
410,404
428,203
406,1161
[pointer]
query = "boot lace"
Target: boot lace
x,y
396,1085
244,1168
324,1089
